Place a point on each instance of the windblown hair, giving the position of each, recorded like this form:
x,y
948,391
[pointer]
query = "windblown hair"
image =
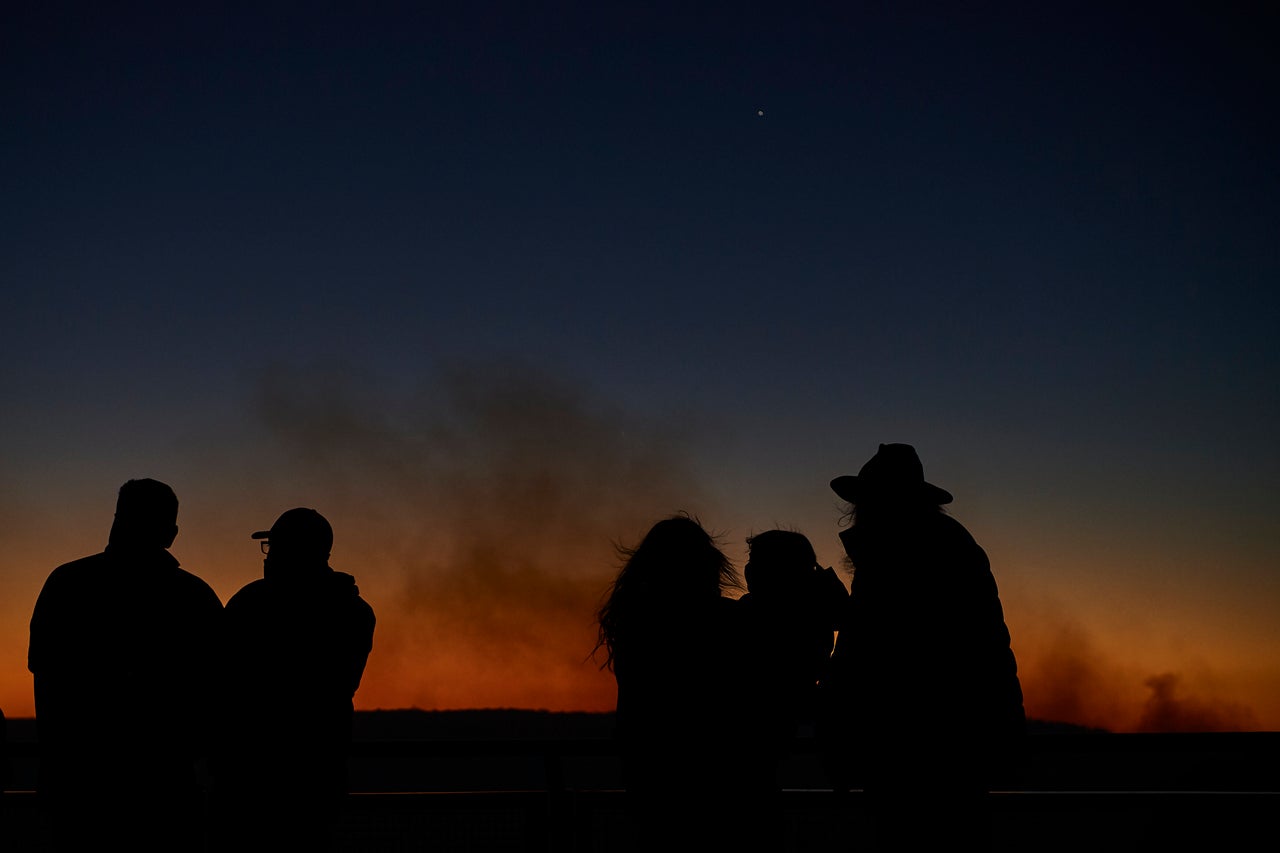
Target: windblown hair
x,y
677,565
872,511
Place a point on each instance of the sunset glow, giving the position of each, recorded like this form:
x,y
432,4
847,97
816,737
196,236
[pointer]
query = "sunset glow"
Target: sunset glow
x,y
494,288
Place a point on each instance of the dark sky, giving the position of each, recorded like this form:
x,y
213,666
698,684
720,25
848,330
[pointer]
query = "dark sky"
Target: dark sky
x,y
448,273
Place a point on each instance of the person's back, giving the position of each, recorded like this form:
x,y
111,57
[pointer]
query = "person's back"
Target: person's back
x,y
121,651
922,698
792,608
299,651
672,639
672,688
297,641
924,600
788,618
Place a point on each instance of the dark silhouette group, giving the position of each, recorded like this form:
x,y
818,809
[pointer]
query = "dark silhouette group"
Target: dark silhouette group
x,y
906,680
149,694
169,722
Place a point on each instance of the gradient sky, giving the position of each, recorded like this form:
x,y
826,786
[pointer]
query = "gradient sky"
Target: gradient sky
x,y
495,288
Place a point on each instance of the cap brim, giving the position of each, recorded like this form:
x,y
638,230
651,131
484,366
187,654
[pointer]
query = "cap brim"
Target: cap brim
x,y
261,534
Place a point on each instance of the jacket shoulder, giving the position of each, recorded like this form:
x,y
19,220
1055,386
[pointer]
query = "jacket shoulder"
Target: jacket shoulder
x,y
248,595
73,568
197,584
81,574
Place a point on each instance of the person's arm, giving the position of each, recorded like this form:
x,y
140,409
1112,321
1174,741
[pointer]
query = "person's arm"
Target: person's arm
x,y
361,651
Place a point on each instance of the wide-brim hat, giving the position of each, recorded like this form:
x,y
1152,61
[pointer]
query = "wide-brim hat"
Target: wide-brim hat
x,y
895,472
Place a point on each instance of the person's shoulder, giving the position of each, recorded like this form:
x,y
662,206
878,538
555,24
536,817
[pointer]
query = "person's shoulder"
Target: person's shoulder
x,y
78,572
730,604
193,581
75,567
962,543
253,591
189,586
257,586
732,613
343,585
953,527
352,608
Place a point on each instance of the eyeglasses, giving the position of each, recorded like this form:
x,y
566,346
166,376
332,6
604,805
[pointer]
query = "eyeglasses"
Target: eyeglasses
x,y
265,545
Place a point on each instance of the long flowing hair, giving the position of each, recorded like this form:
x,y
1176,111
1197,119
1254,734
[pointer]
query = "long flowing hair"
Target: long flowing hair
x,y
677,565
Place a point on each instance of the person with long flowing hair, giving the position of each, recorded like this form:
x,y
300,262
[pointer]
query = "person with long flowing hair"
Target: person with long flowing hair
x,y
669,635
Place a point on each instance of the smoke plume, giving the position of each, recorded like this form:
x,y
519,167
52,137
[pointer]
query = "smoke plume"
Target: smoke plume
x,y
484,507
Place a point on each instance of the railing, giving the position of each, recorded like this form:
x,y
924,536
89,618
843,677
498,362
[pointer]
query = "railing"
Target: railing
x,y
1238,762
1077,792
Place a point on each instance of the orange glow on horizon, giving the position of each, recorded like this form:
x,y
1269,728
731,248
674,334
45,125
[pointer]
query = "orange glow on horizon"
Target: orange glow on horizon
x,y
523,639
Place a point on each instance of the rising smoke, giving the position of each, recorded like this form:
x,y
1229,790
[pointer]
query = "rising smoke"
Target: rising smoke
x,y
485,506
1066,677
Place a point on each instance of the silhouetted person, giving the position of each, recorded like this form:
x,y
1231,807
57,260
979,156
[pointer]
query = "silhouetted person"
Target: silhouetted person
x,y
922,698
671,640
4,761
297,641
791,610
121,652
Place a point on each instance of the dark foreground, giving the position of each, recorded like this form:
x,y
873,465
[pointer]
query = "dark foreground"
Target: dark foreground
x,y
538,789
594,821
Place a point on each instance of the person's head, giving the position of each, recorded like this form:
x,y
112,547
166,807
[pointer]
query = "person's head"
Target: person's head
x,y
146,515
892,481
300,536
678,558
778,561
678,565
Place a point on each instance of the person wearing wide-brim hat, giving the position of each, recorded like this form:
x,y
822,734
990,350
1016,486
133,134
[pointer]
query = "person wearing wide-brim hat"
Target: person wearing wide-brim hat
x,y
922,703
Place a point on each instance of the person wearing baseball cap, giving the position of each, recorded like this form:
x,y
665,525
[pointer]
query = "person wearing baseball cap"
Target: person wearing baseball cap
x,y
298,639
302,534
922,699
